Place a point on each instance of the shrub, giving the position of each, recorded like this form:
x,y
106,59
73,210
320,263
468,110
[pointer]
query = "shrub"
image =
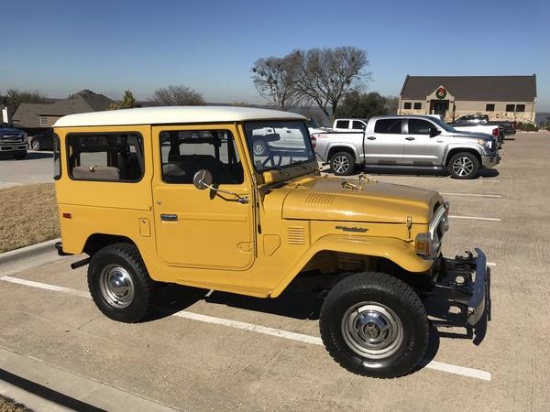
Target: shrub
x,y
527,127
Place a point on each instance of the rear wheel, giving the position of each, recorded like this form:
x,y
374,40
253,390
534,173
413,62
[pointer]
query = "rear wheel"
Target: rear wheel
x,y
342,164
463,166
374,325
259,147
119,283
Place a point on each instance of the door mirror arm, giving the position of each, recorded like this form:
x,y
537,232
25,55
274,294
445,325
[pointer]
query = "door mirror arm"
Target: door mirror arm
x,y
203,180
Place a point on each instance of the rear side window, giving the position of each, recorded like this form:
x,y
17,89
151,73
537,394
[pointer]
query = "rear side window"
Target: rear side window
x,y
388,126
56,158
105,156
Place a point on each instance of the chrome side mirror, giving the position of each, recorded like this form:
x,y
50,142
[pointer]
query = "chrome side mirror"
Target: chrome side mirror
x,y
203,179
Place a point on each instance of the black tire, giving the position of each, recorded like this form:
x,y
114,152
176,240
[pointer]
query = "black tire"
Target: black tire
x,y
374,325
35,144
463,165
119,283
342,164
20,156
259,147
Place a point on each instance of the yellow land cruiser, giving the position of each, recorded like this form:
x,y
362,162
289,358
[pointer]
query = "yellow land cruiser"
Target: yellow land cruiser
x,y
231,199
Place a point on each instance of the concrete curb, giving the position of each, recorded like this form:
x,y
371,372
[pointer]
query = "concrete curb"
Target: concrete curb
x,y
28,256
28,251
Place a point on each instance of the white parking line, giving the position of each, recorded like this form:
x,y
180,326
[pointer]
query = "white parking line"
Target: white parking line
x,y
489,219
313,340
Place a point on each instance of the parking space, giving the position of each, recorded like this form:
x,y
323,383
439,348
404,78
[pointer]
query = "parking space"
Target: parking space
x,y
205,351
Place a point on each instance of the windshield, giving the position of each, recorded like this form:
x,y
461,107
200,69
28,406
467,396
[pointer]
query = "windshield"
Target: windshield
x,y
278,144
442,124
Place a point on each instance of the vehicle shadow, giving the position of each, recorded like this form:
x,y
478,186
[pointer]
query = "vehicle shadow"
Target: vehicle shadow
x,y
373,170
293,303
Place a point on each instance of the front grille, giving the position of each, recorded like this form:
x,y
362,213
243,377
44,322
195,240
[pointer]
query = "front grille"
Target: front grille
x,y
11,139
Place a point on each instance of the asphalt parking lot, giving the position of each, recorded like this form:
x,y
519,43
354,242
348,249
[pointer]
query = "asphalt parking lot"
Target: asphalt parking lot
x,y
220,352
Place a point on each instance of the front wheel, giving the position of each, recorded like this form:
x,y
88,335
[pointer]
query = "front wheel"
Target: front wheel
x,y
35,144
259,147
342,164
119,283
374,325
463,166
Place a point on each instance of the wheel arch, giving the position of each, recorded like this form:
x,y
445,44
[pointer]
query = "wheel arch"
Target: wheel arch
x,y
342,148
457,150
396,252
98,241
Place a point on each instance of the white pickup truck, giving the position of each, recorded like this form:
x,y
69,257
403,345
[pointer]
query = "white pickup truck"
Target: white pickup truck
x,y
410,142
349,125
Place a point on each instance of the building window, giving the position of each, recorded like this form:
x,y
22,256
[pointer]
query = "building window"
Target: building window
x,y
407,106
417,106
43,120
510,107
520,108
490,107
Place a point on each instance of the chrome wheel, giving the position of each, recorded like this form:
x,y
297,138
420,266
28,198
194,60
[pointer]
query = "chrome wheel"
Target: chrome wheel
x,y
259,147
463,166
342,164
35,144
116,286
372,330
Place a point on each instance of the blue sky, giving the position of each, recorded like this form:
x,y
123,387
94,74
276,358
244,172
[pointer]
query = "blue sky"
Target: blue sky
x,y
59,47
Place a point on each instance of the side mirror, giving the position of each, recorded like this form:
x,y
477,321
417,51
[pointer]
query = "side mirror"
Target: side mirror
x,y
434,131
202,179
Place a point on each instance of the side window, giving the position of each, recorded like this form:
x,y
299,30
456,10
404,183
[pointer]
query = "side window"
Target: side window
x,y
56,158
114,157
358,125
185,152
342,124
418,126
388,126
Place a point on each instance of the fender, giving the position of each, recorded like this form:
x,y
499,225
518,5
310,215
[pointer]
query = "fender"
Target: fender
x,y
398,251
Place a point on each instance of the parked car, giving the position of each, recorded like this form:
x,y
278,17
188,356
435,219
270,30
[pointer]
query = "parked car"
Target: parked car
x,y
13,141
508,127
42,141
212,214
408,141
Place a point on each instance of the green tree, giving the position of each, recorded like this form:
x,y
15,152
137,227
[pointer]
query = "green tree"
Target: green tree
x,y
177,96
128,102
14,97
362,105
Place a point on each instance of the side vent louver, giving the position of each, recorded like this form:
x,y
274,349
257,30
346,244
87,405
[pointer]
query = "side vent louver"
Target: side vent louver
x,y
319,199
296,235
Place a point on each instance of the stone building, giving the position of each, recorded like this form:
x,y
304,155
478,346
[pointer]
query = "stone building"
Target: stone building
x,y
499,97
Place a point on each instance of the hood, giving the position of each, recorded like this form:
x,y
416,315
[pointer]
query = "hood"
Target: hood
x,y
335,199
473,135
9,131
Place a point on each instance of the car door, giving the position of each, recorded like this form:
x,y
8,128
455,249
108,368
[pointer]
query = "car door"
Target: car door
x,y
202,228
383,144
421,148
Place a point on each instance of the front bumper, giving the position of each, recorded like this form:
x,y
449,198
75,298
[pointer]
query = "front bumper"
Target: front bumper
x,y
464,281
490,161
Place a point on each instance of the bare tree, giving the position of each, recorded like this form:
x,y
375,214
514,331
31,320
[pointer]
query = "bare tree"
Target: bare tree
x,y
177,96
326,75
274,81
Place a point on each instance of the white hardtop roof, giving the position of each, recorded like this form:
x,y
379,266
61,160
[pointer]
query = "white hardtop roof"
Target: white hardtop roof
x,y
173,115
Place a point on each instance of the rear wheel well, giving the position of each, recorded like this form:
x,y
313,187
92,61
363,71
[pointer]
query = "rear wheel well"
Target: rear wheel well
x,y
334,150
98,241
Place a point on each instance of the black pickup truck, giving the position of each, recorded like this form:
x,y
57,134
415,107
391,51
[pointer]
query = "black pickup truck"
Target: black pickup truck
x,y
507,127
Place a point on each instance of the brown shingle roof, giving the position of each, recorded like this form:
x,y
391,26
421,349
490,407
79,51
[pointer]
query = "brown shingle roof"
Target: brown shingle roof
x,y
474,88
28,114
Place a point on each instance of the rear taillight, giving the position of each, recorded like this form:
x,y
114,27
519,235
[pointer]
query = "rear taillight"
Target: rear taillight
x,y
496,132
313,141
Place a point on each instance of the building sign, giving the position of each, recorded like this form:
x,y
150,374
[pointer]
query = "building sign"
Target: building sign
x,y
441,93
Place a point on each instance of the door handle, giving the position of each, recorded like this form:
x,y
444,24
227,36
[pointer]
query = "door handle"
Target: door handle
x,y
410,138
169,217
371,138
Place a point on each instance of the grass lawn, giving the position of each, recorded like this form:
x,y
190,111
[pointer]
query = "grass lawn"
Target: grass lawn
x,y
9,405
28,215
